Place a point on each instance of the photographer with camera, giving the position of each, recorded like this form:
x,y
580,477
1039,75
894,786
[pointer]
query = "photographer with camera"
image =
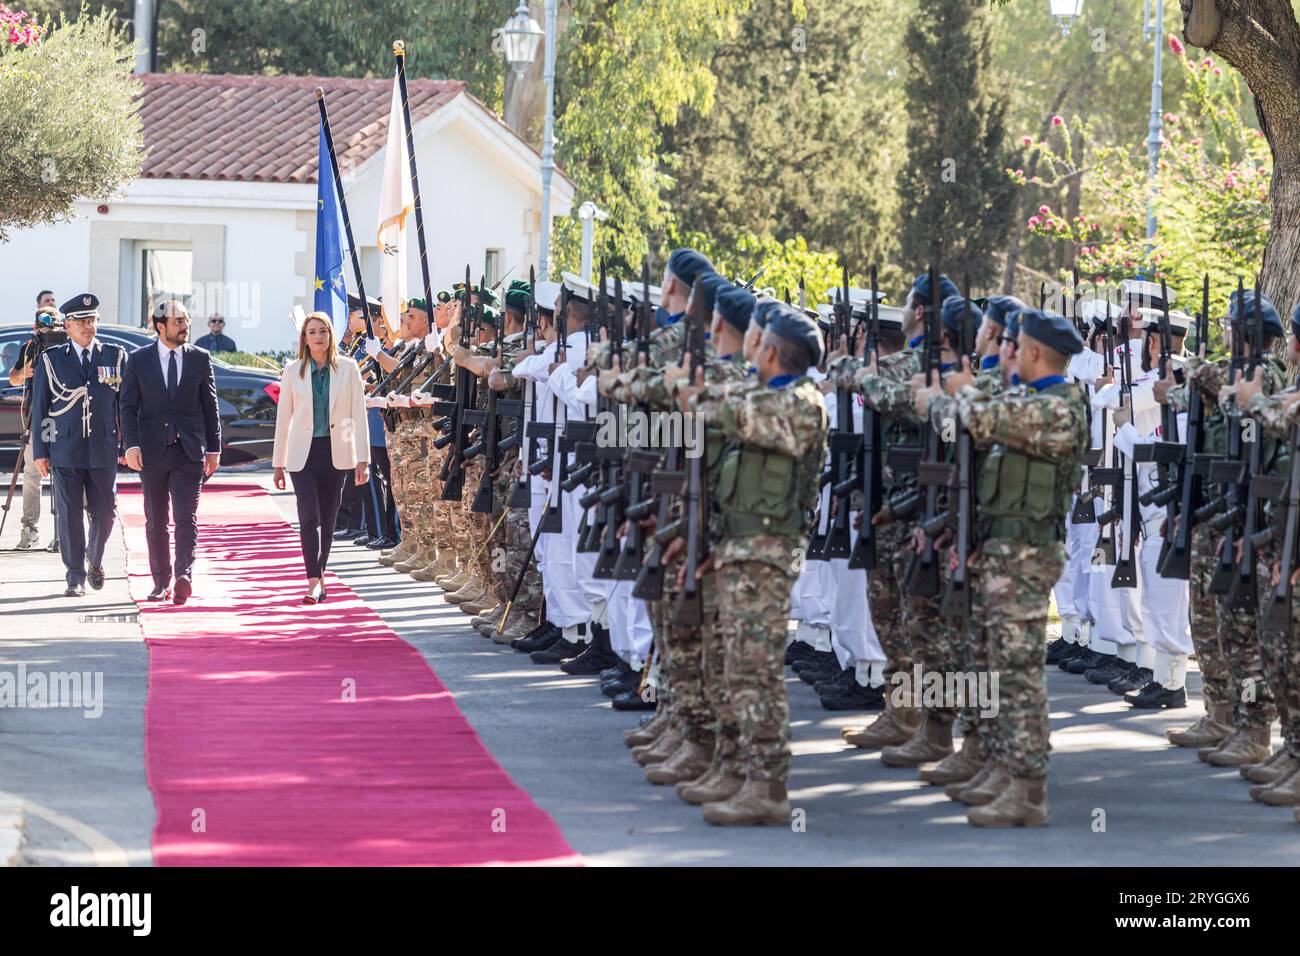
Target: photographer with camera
x,y
46,331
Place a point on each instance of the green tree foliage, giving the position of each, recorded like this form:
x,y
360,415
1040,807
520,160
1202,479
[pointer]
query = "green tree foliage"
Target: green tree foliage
x,y
801,140
68,127
954,197
1211,197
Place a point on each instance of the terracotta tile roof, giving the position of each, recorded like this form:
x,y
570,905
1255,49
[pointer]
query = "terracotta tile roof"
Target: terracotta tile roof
x,y
263,128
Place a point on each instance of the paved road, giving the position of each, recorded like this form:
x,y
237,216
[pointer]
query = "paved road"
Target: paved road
x,y
558,738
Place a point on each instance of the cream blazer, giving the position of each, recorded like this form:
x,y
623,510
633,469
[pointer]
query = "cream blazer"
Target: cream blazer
x,y
349,436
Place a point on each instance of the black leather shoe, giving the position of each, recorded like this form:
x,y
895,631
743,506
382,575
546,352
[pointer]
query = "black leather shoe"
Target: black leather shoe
x,y
614,688
615,672
363,540
817,659
1056,649
853,696
1086,662
1109,672
538,639
1070,653
1154,697
381,544
75,590
561,650
182,591
343,534
95,578
1135,679
797,651
819,675
159,593
591,661
632,701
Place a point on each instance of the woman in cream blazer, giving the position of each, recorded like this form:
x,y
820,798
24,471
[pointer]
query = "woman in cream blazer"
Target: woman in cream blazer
x,y
320,439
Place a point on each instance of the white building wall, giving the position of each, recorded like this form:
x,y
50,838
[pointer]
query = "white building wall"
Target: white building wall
x,y
258,260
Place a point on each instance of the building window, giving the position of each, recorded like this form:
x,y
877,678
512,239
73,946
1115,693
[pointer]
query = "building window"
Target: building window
x,y
166,272
492,267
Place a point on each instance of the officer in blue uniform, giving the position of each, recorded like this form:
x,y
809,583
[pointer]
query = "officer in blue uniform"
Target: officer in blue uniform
x,y
76,436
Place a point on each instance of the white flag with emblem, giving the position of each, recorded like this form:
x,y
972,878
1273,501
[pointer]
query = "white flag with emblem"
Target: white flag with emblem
x,y
396,203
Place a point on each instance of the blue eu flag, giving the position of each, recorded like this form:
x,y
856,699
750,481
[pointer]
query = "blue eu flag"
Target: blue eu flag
x,y
331,294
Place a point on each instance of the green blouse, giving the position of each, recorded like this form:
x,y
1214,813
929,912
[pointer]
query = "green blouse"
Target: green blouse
x,y
320,401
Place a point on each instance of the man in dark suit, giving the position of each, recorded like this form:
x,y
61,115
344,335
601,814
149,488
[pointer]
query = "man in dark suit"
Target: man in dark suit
x,y
75,437
172,434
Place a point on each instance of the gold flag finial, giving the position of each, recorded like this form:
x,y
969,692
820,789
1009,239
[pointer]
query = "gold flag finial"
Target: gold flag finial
x,y
399,48
320,93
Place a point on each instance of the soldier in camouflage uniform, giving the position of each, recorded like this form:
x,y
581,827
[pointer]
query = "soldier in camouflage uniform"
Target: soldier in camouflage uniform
x,y
708,750
1034,444
911,630
775,431
1237,631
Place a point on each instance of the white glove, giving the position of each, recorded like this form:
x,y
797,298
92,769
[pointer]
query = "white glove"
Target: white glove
x,y
421,399
375,401
399,401
372,347
432,341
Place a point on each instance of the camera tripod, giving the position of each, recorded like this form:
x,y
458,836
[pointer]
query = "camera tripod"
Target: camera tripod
x,y
13,483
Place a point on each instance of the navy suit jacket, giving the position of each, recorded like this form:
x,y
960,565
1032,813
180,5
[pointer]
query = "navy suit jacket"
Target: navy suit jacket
x,y
148,409
60,435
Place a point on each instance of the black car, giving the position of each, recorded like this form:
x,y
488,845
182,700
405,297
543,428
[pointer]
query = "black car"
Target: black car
x,y
246,398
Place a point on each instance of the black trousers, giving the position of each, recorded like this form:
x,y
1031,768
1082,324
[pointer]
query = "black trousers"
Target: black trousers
x,y
172,485
377,497
80,491
319,490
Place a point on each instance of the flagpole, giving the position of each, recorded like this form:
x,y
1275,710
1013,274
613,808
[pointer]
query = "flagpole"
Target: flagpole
x,y
343,208
399,52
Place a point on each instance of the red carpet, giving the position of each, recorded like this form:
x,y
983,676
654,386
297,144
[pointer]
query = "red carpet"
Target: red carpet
x,y
254,753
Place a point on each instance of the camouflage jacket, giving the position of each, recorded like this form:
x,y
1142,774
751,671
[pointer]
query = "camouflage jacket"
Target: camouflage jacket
x,y
887,391
1275,416
790,422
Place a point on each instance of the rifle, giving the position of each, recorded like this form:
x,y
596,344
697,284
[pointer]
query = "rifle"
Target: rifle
x,y
1125,575
640,462
521,495
1167,452
490,443
613,492
453,471
956,593
1107,480
1230,471
552,520
922,575
664,484
687,610
871,480
1276,614
1243,593
1176,559
845,443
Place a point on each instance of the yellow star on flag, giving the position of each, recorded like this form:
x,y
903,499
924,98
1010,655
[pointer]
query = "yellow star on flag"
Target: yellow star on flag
x,y
320,283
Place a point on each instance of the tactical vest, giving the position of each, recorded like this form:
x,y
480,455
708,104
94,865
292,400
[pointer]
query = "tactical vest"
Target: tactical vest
x,y
764,492
1023,497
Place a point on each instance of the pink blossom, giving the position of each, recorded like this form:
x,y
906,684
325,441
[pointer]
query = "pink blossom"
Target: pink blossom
x,y
1171,117
1034,221
1026,141
1057,121
1176,45
1207,62
1043,210
1218,72
1020,172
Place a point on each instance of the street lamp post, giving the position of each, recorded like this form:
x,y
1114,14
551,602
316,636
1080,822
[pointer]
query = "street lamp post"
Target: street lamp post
x,y
520,37
588,213
1065,12
1154,30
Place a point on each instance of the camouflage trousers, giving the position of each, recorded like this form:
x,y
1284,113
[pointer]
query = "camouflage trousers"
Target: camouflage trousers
x,y
406,469
1010,584
1280,657
753,611
1218,690
684,658
426,487
932,644
509,547
1239,643
886,600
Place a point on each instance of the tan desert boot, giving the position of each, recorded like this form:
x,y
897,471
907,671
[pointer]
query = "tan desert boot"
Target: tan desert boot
x,y
488,619
1210,731
988,790
481,604
932,741
1023,803
714,787
471,589
892,728
962,765
517,626
416,561
687,763
756,803
954,790
404,549
661,749
454,582
1248,745
1281,793
426,573
656,725
1271,770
